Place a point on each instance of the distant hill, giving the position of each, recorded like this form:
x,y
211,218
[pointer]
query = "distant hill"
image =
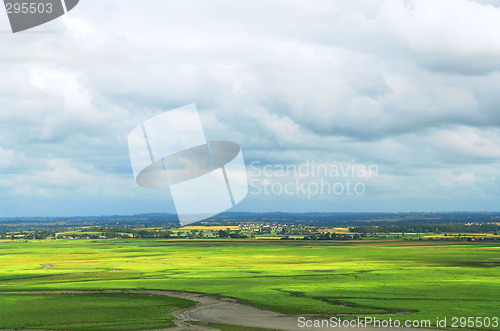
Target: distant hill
x,y
234,218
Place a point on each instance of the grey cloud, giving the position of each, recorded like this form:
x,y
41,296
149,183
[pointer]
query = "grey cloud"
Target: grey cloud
x,y
370,81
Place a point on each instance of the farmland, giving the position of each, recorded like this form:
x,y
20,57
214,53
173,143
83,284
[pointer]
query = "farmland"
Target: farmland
x,y
387,278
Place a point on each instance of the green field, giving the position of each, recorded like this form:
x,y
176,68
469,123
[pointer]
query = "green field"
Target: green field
x,y
389,278
103,311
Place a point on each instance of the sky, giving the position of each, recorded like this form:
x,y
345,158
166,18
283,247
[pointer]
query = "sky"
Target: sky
x,y
406,93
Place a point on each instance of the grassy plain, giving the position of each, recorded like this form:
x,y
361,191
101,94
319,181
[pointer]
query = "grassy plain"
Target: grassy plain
x,y
422,280
97,311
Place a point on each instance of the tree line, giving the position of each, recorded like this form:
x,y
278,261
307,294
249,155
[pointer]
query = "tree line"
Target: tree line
x,y
436,228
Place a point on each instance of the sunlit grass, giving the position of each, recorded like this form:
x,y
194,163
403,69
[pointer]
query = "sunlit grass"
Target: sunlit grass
x,y
295,277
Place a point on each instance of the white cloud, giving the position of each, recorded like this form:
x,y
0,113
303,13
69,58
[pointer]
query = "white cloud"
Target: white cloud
x,y
6,158
457,35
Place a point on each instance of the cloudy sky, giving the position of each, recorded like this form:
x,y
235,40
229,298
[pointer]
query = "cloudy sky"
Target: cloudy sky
x,y
411,87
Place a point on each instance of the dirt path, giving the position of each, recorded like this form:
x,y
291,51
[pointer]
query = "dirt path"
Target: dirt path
x,y
222,311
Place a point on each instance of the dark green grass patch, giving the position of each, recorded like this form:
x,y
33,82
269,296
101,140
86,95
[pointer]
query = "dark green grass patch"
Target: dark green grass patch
x,y
96,311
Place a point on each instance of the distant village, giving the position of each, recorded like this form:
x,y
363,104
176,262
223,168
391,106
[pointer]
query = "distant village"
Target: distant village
x,y
261,231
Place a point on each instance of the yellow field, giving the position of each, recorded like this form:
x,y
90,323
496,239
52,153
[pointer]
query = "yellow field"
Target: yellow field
x,y
336,230
473,235
213,228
